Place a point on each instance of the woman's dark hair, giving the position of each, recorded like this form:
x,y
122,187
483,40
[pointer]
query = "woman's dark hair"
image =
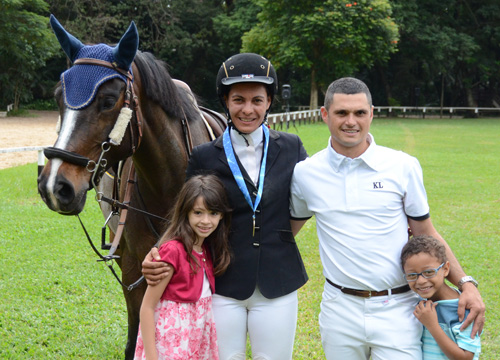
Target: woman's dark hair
x,y
213,193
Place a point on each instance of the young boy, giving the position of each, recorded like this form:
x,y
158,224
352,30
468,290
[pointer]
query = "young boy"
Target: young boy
x,y
425,266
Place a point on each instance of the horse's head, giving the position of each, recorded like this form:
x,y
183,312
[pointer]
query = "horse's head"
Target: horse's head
x,y
93,96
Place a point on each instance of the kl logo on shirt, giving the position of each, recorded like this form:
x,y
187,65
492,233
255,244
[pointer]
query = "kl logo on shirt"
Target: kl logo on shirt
x,y
377,185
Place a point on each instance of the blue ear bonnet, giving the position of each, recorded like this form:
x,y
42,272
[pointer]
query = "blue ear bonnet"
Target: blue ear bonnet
x,y
81,82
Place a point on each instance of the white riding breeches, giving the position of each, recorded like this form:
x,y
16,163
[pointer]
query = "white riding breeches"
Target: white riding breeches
x,y
270,324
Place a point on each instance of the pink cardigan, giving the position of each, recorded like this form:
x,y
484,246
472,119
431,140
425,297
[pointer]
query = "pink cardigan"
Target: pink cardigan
x,y
185,285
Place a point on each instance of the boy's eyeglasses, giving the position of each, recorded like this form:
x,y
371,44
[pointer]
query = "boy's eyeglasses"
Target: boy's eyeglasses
x,y
429,273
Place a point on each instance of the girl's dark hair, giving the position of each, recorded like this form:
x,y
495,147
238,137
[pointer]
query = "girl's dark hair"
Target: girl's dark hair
x,y
213,193
423,244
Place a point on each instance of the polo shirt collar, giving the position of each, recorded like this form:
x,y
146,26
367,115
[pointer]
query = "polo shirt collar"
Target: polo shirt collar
x,y
368,157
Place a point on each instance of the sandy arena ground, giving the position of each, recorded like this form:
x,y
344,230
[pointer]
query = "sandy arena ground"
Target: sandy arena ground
x,y
37,130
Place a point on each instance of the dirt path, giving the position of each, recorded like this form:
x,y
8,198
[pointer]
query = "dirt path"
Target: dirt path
x,y
37,130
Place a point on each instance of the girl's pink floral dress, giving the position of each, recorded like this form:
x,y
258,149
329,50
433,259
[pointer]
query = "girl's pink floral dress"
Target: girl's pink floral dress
x,y
184,331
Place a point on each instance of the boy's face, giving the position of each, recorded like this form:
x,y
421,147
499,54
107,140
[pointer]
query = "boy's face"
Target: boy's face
x,y
426,288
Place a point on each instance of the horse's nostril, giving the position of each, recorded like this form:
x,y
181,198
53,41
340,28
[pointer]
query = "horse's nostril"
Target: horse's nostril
x,y
64,192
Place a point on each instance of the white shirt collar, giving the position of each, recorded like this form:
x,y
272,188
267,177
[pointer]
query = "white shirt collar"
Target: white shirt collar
x,y
368,157
256,136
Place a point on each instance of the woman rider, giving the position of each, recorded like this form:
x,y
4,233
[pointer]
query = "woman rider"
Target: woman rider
x,y
258,292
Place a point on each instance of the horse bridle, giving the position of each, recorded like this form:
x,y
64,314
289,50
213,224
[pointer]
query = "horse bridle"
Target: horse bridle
x,y
131,102
98,168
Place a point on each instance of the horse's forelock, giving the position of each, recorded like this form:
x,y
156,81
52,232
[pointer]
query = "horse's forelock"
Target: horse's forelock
x,y
159,86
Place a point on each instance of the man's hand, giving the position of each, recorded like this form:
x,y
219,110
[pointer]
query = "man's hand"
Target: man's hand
x,y
471,299
154,271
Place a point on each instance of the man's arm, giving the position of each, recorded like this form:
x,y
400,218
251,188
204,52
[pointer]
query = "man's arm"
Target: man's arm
x,y
296,226
155,271
470,297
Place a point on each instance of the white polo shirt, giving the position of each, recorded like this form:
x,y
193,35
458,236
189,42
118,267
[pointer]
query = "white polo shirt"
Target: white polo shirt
x,y
361,207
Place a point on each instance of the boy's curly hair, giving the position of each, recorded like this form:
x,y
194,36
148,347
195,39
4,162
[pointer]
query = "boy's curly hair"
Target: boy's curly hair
x,y
426,244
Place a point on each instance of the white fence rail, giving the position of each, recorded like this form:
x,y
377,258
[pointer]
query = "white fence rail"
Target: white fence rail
x,y
304,115
423,110
314,115
39,149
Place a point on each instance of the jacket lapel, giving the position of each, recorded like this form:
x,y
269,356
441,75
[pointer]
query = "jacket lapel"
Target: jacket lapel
x,y
273,150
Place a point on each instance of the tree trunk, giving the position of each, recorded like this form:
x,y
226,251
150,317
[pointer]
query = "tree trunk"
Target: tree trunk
x,y
313,100
471,102
17,96
385,83
442,97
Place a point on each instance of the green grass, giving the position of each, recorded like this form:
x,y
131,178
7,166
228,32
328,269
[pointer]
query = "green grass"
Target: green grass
x,y
57,302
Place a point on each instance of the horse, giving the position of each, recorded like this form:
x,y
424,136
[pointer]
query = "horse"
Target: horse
x,y
119,105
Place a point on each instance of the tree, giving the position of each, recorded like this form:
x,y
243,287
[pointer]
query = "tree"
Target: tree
x,y
27,43
233,23
449,50
179,32
330,38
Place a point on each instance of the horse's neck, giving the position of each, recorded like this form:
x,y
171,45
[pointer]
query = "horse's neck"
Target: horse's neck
x,y
161,159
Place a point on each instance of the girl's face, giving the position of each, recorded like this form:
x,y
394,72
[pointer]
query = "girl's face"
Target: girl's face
x,y
427,288
247,104
202,220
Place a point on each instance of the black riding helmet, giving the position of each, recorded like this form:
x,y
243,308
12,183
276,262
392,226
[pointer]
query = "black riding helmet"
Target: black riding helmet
x,y
243,68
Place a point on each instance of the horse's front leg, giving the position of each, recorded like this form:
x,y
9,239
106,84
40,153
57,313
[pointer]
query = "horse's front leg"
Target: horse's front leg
x,y
131,271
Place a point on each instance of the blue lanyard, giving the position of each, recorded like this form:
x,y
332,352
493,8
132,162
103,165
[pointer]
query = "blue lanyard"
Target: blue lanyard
x,y
235,169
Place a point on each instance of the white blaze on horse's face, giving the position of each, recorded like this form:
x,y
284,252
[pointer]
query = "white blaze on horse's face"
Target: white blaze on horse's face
x,y
67,128
51,182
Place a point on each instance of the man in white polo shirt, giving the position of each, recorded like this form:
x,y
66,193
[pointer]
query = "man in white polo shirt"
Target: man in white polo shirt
x,y
364,197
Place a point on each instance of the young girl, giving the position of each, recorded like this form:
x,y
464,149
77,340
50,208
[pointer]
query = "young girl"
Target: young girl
x,y
425,266
176,320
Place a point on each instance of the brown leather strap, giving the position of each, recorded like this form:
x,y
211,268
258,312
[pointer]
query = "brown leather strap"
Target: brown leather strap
x,y
138,114
187,133
97,62
124,211
370,293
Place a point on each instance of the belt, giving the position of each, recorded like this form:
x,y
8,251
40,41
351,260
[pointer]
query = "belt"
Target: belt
x,y
370,293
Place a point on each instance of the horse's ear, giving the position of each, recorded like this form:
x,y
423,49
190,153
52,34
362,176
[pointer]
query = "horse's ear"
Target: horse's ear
x,y
70,44
126,49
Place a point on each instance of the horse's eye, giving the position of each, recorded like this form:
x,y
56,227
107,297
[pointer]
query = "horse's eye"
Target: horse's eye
x,y
108,103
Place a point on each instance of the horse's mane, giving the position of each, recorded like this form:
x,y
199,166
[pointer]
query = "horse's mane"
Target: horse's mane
x,y
160,88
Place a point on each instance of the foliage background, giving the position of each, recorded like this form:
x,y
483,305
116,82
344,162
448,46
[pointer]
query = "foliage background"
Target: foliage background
x,y
409,52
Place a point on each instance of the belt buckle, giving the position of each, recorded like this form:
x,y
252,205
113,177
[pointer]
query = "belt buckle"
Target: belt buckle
x,y
369,294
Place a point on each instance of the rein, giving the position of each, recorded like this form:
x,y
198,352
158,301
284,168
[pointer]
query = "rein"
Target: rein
x,y
107,259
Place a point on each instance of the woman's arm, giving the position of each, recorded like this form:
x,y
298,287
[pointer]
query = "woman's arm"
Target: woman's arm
x,y
147,316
